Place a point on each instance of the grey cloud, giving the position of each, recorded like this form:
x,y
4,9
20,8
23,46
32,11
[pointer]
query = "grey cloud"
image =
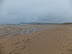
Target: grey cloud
x,y
16,11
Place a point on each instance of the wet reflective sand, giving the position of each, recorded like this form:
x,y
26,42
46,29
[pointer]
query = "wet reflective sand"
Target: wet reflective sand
x,y
11,30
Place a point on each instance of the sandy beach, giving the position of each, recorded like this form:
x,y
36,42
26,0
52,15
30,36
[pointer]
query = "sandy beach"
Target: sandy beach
x,y
57,40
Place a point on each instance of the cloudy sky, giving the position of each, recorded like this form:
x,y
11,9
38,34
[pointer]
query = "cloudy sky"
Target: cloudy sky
x,y
51,11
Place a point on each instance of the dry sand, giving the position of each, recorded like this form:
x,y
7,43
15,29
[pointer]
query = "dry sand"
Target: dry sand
x,y
53,41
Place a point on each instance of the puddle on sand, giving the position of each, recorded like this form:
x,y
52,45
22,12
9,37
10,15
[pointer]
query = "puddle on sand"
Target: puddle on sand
x,y
1,26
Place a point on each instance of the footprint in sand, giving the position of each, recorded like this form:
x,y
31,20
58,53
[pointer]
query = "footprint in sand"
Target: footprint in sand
x,y
2,46
34,37
23,40
67,46
62,53
69,43
24,47
38,38
12,51
16,43
69,50
1,43
28,40
65,36
16,47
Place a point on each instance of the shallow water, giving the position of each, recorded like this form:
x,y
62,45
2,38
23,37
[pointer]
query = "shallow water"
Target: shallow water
x,y
21,30
1,27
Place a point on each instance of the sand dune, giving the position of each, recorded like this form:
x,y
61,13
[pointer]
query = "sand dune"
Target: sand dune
x,y
53,41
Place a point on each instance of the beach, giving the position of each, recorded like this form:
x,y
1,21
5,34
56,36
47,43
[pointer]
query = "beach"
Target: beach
x,y
39,39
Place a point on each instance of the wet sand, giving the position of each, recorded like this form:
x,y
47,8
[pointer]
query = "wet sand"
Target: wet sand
x,y
14,30
57,40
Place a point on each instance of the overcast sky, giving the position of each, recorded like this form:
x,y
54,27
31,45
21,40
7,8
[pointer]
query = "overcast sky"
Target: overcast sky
x,y
16,11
